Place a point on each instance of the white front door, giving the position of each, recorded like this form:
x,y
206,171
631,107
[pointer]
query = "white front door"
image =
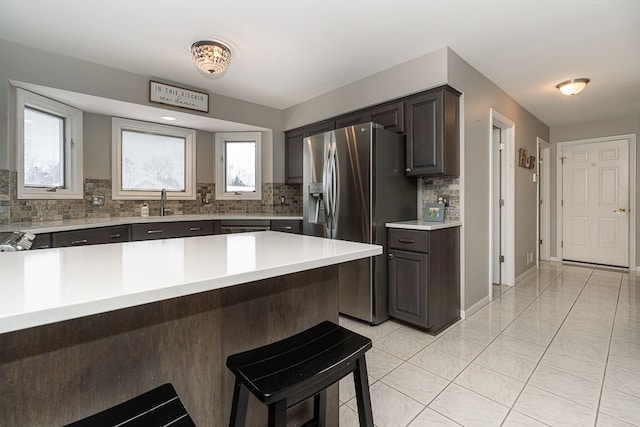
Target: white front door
x,y
595,205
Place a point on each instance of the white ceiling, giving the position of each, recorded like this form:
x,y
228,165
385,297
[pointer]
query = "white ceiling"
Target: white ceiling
x,y
288,51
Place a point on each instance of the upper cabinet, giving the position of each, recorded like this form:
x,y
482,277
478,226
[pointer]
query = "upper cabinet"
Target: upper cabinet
x,y
293,141
430,120
433,139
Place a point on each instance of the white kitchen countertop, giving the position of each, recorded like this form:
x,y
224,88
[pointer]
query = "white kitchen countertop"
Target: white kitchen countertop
x,y
77,224
423,225
52,285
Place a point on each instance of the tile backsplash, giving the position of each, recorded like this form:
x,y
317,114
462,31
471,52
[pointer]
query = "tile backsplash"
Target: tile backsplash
x,y
432,187
13,210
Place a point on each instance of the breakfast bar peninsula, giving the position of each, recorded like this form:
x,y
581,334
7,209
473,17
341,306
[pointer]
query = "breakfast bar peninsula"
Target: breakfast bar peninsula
x,y
85,328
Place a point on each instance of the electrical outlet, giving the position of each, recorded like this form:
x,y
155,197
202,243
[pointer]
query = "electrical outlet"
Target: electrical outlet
x,y
97,200
282,200
443,199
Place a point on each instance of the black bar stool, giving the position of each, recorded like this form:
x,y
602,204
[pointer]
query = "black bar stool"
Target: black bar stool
x,y
286,372
156,408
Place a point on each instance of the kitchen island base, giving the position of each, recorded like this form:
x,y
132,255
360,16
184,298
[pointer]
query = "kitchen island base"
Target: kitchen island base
x,y
58,373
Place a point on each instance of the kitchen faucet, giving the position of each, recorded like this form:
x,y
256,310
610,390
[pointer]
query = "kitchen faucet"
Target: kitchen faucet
x,y
163,200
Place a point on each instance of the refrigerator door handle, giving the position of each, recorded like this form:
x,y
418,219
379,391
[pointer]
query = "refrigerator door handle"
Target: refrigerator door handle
x,y
326,186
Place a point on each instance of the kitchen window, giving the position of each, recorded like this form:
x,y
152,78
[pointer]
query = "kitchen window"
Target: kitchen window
x,y
49,148
150,157
238,174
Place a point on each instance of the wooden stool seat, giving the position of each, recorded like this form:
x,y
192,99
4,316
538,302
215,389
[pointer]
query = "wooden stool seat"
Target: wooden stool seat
x,y
156,408
286,372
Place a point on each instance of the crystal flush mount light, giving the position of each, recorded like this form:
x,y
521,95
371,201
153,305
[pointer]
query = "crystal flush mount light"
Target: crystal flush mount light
x,y
211,57
573,86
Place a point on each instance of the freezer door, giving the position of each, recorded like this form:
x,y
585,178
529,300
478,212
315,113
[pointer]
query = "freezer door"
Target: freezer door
x,y
313,198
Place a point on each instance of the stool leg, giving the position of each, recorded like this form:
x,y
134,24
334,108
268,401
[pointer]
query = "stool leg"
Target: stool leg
x,y
239,405
320,409
365,415
278,414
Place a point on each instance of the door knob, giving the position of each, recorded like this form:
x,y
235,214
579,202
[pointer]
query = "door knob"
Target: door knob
x,y
620,210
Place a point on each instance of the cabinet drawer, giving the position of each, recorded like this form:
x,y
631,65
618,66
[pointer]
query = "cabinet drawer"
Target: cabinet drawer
x,y
286,225
42,241
409,240
91,236
167,230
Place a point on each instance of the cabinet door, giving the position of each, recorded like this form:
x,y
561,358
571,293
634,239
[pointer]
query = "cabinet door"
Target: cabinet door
x,y
390,115
350,119
321,127
433,146
409,287
286,225
41,241
293,157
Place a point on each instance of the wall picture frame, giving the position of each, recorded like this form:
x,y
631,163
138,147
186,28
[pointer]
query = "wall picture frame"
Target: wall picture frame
x,y
434,212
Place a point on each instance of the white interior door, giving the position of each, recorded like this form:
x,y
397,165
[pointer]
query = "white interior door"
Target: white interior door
x,y
595,202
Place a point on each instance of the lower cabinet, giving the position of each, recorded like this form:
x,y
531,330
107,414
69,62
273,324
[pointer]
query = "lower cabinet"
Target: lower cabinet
x,y
168,230
424,277
90,236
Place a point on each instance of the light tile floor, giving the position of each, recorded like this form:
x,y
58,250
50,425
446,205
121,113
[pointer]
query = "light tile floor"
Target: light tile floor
x,y
562,347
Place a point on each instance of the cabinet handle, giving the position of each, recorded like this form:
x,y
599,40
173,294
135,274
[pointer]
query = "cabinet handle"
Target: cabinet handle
x,y
195,228
407,170
154,231
79,242
114,236
286,227
390,256
406,241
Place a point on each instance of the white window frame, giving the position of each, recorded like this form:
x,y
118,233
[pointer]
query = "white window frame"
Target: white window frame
x,y
73,173
219,162
117,126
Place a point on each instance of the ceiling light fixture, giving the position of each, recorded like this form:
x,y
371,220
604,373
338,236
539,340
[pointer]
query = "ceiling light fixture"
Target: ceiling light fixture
x,y
573,86
211,57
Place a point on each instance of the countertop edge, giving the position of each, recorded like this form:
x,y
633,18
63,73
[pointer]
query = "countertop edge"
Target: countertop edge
x,y
38,317
81,224
423,225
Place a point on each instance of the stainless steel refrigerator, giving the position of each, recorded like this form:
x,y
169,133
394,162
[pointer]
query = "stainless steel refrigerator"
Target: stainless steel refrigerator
x,y
354,183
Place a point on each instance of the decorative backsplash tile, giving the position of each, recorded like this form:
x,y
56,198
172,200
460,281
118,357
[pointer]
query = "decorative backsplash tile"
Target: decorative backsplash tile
x,y
14,210
433,187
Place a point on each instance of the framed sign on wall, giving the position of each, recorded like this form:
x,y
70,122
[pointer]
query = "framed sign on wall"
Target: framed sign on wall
x,y
178,97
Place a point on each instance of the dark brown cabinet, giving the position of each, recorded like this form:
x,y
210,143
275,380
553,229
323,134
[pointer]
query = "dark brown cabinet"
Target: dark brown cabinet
x,y
424,277
293,143
432,124
286,225
430,120
168,230
41,241
90,236
389,115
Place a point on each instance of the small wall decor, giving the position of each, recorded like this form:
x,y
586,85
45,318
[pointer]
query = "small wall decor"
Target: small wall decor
x,y
178,97
522,160
434,212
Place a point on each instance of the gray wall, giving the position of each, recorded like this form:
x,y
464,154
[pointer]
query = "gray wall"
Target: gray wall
x,y
480,94
619,126
43,68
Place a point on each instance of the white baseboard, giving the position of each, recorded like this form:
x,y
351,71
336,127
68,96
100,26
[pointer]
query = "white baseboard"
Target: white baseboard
x,y
475,307
526,273
554,258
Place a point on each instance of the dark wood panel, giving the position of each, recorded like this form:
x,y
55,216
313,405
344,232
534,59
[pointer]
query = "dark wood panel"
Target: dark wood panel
x,y
350,119
90,236
55,374
444,278
424,135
